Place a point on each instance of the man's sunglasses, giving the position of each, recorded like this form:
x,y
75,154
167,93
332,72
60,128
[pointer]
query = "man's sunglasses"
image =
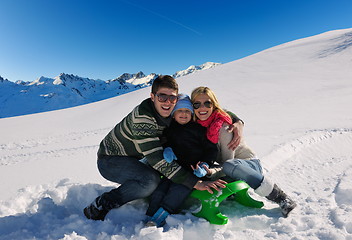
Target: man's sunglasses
x,y
164,97
206,104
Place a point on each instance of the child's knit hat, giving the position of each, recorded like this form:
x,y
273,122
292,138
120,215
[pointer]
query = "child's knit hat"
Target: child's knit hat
x,y
183,102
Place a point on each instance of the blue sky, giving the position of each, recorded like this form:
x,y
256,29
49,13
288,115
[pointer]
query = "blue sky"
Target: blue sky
x,y
102,39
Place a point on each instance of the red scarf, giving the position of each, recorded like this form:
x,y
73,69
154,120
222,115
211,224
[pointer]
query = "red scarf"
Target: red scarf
x,y
214,123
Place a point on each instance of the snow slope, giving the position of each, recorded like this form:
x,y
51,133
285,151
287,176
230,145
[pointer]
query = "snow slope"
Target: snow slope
x,y
295,100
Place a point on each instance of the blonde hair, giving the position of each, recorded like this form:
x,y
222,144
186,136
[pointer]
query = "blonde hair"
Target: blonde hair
x,y
205,90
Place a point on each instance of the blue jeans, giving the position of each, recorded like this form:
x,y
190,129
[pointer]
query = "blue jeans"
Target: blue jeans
x,y
137,179
168,195
249,171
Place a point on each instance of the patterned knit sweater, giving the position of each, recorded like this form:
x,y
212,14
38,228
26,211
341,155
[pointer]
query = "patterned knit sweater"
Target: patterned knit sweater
x,y
138,135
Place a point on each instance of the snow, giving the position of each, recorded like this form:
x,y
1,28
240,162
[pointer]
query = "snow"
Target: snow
x,y
295,100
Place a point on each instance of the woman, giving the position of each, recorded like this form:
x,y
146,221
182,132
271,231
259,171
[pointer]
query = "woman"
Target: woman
x,y
238,164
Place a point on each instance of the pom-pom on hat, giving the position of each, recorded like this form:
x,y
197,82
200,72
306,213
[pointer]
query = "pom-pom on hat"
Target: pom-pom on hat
x,y
183,102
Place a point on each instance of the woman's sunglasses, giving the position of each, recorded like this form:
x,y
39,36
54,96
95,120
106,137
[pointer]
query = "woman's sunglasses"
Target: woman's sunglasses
x,y
206,104
164,97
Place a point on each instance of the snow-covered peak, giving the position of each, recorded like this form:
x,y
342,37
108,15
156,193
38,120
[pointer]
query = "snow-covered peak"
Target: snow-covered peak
x,y
194,68
208,65
40,81
127,77
21,82
58,80
70,79
142,79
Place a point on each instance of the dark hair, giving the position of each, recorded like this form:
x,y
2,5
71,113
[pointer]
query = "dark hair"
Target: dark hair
x,y
164,81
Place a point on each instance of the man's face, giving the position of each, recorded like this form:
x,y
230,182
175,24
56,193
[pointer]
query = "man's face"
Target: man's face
x,y
164,108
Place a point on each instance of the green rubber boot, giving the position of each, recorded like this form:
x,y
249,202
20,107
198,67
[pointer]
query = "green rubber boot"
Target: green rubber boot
x,y
210,202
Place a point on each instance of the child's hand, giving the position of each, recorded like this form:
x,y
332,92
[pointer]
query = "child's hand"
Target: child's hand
x,y
206,167
201,169
169,155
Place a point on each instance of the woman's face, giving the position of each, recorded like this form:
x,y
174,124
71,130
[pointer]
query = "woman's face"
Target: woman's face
x,y
205,105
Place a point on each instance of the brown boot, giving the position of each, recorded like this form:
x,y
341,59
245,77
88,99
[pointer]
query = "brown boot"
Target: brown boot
x,y
286,203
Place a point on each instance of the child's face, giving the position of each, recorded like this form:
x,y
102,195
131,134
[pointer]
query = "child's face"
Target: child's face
x,y
183,115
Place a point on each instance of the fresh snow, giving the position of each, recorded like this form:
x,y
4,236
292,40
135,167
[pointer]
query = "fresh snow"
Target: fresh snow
x,y
295,100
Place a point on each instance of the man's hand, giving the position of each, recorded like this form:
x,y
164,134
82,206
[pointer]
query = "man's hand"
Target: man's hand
x,y
237,129
208,185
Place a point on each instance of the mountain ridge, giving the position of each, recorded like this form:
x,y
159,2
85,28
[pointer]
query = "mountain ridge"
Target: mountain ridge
x,y
69,90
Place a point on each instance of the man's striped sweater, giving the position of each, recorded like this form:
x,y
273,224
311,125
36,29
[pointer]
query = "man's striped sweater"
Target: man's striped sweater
x,y
138,135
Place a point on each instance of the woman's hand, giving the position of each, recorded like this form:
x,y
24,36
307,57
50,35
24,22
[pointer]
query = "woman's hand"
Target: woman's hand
x,y
237,129
208,185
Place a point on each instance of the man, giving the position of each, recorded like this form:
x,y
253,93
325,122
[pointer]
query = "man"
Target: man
x,y
136,137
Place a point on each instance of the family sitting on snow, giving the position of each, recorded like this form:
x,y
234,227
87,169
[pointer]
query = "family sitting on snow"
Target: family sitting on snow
x,y
170,145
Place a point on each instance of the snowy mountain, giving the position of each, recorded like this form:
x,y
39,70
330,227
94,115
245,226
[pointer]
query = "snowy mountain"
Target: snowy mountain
x,y
193,69
295,99
67,90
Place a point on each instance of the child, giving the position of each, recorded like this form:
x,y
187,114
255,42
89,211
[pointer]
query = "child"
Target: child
x,y
187,138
